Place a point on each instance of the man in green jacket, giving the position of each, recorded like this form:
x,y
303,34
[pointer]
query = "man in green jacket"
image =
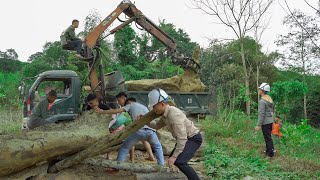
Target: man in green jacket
x,y
72,40
39,114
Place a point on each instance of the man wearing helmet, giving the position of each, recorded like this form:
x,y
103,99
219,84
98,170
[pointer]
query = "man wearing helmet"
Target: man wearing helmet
x,y
188,137
266,117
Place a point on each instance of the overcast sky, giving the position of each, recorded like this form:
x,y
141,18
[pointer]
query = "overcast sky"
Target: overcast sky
x,y
27,25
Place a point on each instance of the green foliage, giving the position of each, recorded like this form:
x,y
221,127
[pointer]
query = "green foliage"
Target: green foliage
x,y
233,153
133,53
125,43
9,94
301,134
10,65
184,43
52,57
9,54
221,67
286,94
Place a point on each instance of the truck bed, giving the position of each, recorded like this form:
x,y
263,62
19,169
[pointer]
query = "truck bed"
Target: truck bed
x,y
189,102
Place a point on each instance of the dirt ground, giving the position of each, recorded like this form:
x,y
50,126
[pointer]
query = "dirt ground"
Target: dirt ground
x,y
92,172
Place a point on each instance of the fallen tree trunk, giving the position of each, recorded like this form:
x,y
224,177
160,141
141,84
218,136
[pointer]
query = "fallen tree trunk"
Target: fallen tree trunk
x,y
101,146
48,142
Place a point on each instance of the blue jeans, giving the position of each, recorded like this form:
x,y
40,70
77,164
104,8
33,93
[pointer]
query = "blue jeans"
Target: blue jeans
x,y
143,134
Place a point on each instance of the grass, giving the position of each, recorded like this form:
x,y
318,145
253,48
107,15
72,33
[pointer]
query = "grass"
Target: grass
x,y
10,120
234,153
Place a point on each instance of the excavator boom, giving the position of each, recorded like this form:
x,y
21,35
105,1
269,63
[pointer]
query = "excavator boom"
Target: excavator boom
x,y
134,14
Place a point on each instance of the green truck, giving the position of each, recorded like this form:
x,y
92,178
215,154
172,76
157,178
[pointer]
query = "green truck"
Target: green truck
x,y
70,103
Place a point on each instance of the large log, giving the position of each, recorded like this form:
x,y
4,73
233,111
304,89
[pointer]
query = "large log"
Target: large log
x,y
101,146
48,142
189,81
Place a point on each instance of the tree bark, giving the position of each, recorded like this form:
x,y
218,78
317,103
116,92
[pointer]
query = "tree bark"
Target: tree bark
x,y
246,77
246,80
304,78
104,143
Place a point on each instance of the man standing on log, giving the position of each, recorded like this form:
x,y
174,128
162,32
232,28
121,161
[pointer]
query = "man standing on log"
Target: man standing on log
x,y
188,137
39,114
146,133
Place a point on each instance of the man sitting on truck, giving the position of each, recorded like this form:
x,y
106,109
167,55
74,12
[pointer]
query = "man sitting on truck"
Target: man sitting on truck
x,y
72,41
39,114
146,133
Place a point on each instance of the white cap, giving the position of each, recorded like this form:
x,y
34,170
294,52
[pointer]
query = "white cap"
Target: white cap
x,y
155,96
265,87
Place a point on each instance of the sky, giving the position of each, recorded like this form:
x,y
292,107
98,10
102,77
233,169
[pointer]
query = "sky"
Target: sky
x,y
27,25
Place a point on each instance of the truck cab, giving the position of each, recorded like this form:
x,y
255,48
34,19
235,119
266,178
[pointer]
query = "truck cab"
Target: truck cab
x,y
68,86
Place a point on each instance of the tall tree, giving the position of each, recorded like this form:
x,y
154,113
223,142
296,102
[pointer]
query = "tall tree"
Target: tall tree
x,y
301,54
241,16
125,45
221,67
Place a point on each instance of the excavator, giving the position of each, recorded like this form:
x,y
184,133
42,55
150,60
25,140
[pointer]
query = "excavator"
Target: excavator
x,y
67,106
91,43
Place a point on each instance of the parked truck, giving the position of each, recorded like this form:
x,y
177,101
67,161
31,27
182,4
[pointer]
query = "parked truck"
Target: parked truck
x,y
70,100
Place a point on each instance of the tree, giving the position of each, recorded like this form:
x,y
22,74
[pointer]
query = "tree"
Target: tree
x,y
154,50
35,56
125,45
301,53
90,22
221,68
241,16
53,57
9,54
285,94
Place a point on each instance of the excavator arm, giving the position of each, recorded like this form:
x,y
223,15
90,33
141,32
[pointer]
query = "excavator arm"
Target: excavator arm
x,y
134,14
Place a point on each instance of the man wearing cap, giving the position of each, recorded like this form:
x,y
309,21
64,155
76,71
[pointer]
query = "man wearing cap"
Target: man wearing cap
x,y
146,133
266,117
188,137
